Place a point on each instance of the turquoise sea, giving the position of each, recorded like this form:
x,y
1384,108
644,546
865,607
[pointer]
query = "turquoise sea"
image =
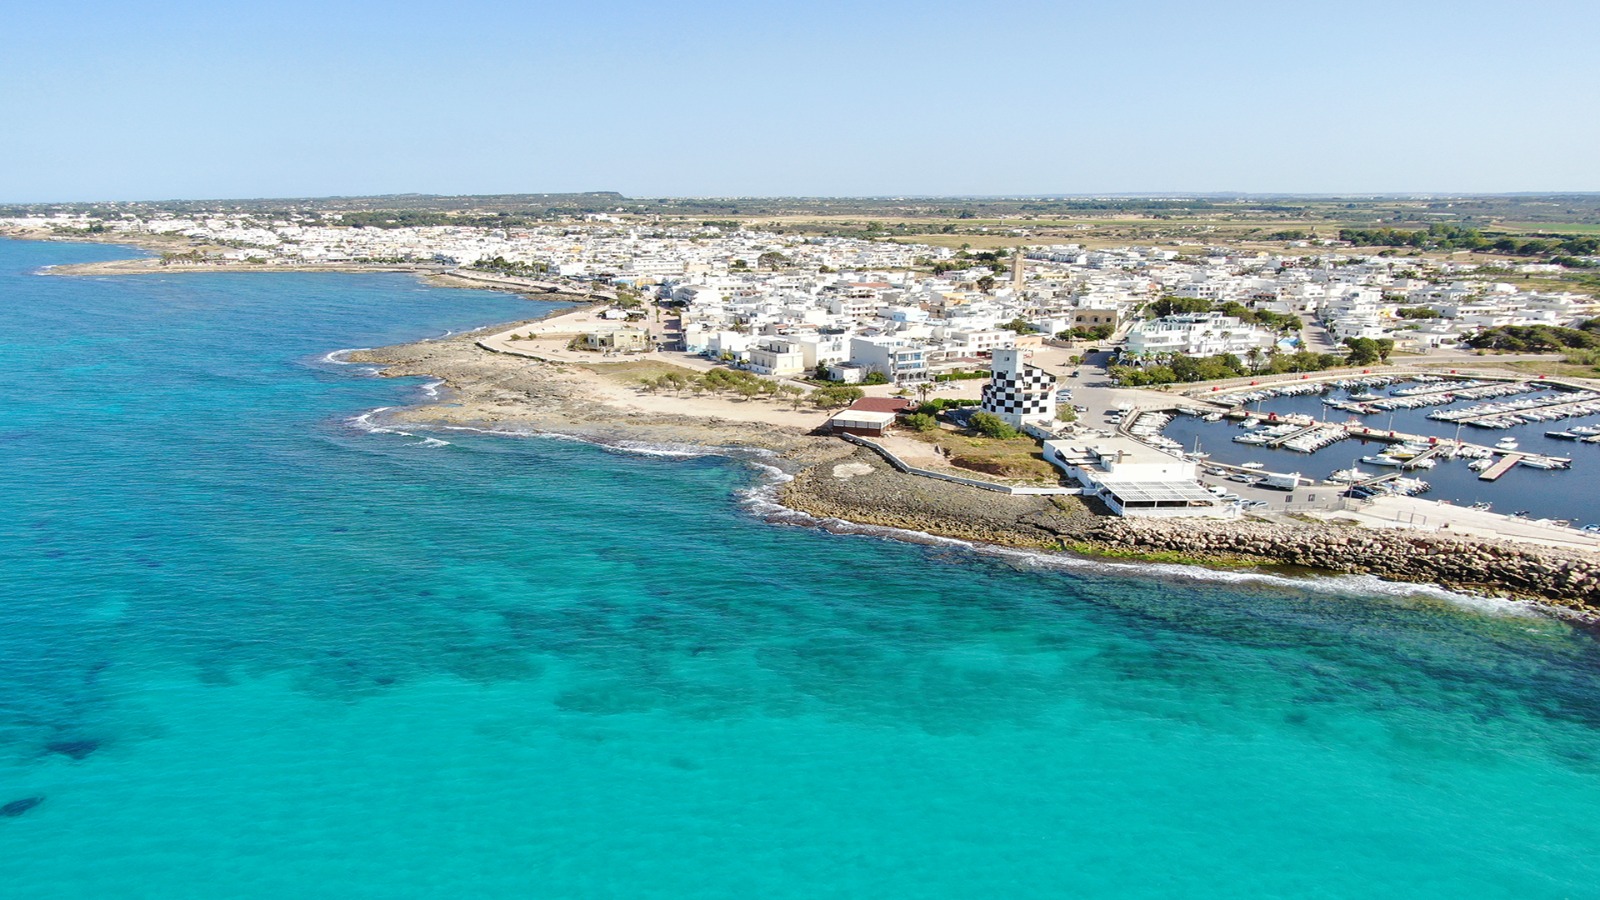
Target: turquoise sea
x,y
249,648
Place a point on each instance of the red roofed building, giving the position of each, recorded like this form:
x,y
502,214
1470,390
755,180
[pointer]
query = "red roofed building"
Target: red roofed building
x,y
883,404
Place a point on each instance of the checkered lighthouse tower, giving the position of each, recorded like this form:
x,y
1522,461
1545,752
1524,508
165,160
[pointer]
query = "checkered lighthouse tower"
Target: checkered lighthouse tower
x,y
1017,392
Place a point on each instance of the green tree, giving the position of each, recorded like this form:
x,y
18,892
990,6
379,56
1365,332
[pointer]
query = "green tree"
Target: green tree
x,y
922,422
990,425
1171,306
835,396
1418,312
1363,351
1254,355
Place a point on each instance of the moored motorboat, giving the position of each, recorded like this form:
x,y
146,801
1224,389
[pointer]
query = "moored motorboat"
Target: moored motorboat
x,y
1546,462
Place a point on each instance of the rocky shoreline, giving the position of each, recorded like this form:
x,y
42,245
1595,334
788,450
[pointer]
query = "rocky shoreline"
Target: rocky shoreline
x,y
874,493
502,392
832,479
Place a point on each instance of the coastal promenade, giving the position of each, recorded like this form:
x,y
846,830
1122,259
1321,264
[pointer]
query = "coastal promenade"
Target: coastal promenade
x,y
1418,514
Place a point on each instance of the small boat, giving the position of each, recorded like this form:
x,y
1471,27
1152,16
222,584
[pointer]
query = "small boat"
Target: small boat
x,y
1349,476
1381,460
1546,462
1562,435
1585,430
1253,465
1482,505
1478,465
1506,443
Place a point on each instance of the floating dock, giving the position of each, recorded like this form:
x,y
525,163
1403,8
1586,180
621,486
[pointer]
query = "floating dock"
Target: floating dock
x,y
1503,465
1422,457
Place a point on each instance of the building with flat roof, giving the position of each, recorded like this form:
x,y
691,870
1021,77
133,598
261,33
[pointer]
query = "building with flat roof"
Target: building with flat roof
x,y
615,338
1135,479
865,422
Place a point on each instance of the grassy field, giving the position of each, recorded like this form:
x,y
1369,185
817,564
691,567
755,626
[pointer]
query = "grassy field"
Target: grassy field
x,y
1019,458
635,371
1555,367
1548,228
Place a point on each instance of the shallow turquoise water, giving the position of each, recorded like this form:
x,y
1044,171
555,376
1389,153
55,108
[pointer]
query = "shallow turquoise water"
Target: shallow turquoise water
x,y
250,649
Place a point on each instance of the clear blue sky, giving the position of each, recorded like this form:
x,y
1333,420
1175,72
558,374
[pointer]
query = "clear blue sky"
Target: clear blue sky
x,y
130,100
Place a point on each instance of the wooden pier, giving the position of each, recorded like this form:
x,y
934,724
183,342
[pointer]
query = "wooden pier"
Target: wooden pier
x,y
1503,465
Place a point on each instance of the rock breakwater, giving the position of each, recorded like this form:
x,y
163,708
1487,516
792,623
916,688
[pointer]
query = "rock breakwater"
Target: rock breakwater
x,y
1566,579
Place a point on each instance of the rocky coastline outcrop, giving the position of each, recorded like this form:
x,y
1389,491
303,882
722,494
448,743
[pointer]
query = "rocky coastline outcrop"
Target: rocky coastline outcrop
x,y
1568,581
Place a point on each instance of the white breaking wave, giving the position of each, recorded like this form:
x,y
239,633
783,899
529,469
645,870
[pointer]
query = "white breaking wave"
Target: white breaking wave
x,y
432,389
364,423
337,356
500,431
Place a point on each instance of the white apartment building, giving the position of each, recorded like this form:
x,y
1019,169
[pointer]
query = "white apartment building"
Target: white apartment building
x,y
778,357
899,359
1195,334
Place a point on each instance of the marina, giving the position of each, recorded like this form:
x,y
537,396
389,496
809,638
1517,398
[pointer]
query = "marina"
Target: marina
x,y
1418,426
